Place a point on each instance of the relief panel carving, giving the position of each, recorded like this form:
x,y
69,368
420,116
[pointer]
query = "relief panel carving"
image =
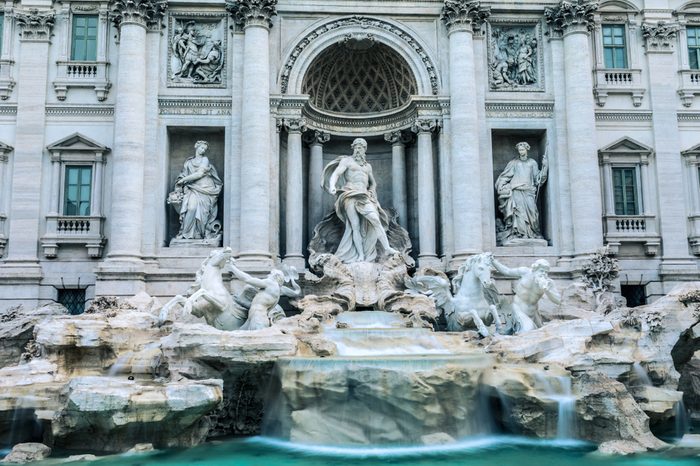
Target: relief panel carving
x,y
197,51
515,57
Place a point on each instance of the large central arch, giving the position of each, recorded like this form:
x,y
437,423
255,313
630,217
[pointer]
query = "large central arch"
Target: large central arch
x,y
314,40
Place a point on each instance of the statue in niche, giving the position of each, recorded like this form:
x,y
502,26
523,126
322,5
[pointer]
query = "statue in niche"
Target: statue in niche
x,y
196,198
533,283
358,230
514,62
518,188
197,55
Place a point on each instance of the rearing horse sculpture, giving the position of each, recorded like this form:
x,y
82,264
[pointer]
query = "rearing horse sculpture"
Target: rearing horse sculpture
x,y
209,298
475,298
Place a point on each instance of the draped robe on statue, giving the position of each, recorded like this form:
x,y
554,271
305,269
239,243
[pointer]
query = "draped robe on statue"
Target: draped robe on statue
x,y
364,202
519,208
199,205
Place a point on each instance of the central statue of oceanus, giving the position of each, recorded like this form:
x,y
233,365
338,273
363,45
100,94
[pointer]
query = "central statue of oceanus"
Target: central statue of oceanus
x,y
358,230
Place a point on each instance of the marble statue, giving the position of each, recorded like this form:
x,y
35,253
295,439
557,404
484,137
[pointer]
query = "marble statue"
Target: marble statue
x,y
475,300
350,178
533,283
197,55
518,188
209,297
196,198
261,296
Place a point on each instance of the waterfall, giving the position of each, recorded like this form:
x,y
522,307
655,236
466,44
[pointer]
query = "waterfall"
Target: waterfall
x,y
681,419
641,376
566,405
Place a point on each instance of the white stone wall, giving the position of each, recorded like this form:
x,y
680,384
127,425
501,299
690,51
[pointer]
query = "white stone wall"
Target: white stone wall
x,y
27,275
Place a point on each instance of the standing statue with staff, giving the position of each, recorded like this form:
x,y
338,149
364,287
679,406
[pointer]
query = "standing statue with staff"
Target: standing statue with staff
x,y
518,188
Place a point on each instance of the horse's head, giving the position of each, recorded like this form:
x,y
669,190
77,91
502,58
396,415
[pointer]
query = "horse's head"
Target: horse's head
x,y
478,267
219,257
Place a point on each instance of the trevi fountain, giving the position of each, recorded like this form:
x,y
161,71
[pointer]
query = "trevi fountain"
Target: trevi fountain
x,y
379,358
340,232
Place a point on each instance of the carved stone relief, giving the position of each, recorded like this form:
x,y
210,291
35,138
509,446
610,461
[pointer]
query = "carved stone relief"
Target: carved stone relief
x,y
515,57
197,51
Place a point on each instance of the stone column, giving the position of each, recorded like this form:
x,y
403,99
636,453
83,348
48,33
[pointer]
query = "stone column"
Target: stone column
x,y
460,16
255,17
4,149
574,19
55,180
660,43
294,201
132,18
316,140
398,141
25,204
427,256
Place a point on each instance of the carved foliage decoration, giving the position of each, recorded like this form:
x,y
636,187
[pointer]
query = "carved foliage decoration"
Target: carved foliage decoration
x,y
364,23
197,52
36,24
515,57
146,12
463,14
571,13
659,37
247,12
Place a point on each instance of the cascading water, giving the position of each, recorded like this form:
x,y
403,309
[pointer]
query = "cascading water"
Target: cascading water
x,y
385,385
561,392
641,376
682,424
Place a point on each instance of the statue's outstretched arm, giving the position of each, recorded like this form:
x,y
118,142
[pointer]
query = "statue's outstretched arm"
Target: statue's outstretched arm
x,y
516,272
552,293
241,275
293,292
333,180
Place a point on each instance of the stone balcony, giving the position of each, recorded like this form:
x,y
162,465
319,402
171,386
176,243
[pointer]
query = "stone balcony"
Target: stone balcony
x,y
82,74
632,229
694,236
71,230
690,86
7,83
618,81
3,238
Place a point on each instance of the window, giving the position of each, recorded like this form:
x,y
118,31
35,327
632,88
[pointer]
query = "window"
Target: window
x,y
694,47
77,190
73,300
614,47
625,191
84,38
634,294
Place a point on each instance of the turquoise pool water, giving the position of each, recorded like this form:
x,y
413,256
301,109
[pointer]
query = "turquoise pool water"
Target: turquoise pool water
x,y
485,451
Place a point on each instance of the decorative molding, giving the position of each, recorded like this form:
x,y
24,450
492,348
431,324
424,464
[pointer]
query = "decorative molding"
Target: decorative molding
x,y
659,37
398,137
623,116
313,138
8,110
182,106
519,110
503,60
425,125
147,13
364,23
464,15
36,24
80,110
573,15
689,116
247,13
208,26
294,125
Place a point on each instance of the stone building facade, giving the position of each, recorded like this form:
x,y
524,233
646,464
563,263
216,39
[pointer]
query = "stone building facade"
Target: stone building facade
x,y
102,102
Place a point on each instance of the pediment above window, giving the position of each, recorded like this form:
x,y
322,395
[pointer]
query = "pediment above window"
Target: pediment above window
x,y
77,142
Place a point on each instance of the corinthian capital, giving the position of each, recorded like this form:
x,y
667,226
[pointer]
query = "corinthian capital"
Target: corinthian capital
x,y
295,125
147,13
572,14
463,15
425,125
252,12
36,24
659,37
